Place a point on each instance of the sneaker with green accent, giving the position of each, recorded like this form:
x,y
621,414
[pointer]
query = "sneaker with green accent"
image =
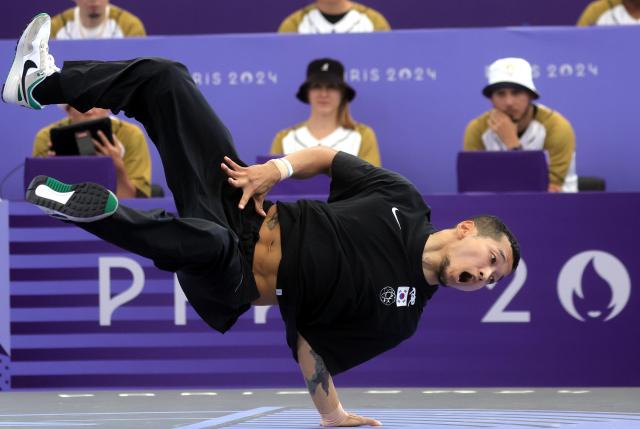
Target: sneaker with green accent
x,y
84,202
31,65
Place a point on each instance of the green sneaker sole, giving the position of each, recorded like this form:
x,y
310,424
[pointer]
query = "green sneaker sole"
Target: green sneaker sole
x,y
84,202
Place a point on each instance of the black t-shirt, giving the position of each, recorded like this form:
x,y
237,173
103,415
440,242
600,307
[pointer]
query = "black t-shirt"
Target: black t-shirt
x,y
350,279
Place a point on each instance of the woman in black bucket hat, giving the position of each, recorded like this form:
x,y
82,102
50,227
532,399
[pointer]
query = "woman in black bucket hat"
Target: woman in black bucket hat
x,y
330,123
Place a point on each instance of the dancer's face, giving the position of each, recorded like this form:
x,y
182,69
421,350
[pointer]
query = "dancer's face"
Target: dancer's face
x,y
473,261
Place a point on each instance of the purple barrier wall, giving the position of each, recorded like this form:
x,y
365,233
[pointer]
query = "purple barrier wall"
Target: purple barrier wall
x,y
85,314
255,16
418,92
5,320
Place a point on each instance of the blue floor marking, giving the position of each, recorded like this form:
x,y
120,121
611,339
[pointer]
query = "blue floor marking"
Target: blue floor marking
x,y
230,418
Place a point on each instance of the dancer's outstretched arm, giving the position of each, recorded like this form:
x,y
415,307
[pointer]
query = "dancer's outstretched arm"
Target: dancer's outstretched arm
x,y
323,392
257,180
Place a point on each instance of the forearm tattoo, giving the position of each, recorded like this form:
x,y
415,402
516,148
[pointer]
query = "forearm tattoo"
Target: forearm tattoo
x,y
320,376
272,222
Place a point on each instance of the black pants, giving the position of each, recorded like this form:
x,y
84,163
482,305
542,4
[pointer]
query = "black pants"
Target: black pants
x,y
210,246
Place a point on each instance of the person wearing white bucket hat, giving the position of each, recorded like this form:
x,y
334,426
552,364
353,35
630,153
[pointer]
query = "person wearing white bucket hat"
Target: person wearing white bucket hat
x,y
516,123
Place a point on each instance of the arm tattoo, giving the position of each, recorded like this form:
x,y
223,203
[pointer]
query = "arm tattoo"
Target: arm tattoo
x,y
272,222
320,376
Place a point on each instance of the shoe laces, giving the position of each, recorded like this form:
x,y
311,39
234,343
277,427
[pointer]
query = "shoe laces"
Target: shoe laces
x,y
47,61
51,65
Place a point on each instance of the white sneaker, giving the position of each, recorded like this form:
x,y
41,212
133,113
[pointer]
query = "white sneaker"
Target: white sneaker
x,y
31,65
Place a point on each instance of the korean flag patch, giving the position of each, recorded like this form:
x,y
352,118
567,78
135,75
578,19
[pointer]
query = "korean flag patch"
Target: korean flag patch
x,y
401,296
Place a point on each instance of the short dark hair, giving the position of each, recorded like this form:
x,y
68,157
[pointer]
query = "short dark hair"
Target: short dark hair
x,y
492,227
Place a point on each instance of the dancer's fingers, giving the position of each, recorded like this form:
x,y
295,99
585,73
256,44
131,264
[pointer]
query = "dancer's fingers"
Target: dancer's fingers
x,y
233,165
230,172
246,196
236,183
259,200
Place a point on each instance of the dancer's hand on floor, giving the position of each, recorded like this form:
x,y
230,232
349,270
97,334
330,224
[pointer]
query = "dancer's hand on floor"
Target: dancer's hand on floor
x,y
255,181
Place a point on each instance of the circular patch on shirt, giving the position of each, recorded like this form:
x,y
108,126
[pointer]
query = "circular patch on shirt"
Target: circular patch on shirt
x,y
388,295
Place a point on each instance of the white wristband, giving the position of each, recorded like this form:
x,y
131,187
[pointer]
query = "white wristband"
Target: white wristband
x,y
287,164
284,167
335,417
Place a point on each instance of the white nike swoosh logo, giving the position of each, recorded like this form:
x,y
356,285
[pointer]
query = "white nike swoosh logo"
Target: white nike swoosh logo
x,y
394,210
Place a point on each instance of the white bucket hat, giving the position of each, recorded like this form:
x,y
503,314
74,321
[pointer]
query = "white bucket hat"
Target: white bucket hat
x,y
510,71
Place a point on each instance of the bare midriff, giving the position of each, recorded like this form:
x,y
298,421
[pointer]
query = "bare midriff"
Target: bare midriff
x,y
266,258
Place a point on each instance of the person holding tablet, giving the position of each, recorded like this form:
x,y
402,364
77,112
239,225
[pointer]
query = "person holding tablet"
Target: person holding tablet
x,y
128,150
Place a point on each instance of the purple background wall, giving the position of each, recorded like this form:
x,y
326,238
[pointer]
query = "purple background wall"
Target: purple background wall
x,y
254,16
519,333
418,91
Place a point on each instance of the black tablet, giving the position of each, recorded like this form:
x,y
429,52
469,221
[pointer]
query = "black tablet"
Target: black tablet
x,y
75,139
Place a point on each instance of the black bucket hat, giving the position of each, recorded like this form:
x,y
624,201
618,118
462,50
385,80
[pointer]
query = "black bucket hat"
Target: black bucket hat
x,y
325,70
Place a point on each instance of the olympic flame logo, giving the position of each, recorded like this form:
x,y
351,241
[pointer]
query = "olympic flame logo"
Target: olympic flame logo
x,y
610,270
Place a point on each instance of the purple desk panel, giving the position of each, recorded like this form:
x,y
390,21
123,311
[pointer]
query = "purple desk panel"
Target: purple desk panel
x,y
520,171
86,314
